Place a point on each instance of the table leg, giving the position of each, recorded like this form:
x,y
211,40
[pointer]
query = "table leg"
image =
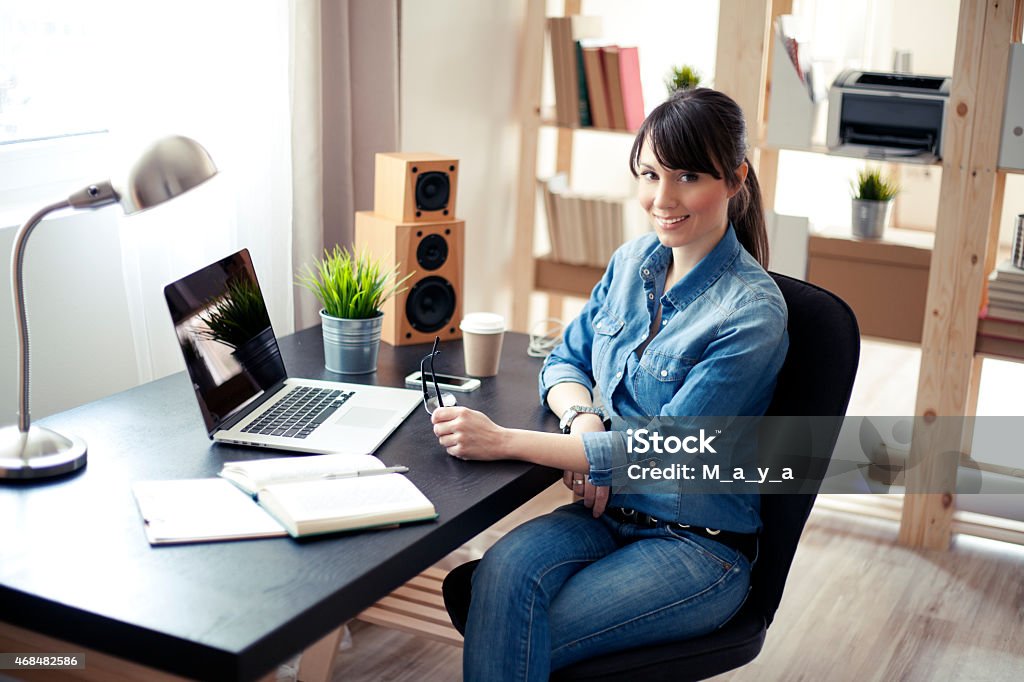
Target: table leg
x,y
317,661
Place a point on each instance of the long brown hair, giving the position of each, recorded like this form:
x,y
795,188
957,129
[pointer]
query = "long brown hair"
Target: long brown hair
x,y
703,131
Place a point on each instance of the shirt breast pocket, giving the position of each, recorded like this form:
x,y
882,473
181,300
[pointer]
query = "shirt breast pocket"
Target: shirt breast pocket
x,y
606,327
660,377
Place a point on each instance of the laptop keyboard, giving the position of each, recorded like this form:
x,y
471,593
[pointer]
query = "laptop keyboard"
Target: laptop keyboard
x,y
300,411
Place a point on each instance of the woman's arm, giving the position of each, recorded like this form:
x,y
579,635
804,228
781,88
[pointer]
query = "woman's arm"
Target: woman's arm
x,y
469,434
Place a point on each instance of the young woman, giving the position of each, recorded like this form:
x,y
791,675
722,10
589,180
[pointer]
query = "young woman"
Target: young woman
x,y
684,322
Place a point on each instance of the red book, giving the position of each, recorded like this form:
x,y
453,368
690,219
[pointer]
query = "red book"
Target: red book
x,y
629,82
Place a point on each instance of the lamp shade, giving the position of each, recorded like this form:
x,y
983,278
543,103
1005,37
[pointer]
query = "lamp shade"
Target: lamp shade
x,y
172,166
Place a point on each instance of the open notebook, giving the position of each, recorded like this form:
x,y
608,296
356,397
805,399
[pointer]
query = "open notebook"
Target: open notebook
x,y
280,496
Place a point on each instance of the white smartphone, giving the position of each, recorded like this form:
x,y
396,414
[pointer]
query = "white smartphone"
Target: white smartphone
x,y
447,382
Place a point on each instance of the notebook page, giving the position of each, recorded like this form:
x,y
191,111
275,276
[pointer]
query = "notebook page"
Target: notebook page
x,y
347,503
196,510
252,475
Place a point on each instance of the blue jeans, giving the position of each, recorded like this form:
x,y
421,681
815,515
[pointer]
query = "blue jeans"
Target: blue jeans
x,y
565,587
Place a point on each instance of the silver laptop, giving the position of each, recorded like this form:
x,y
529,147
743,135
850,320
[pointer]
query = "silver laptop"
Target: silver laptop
x,y
239,378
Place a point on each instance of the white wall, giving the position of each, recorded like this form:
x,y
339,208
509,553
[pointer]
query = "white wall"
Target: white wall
x,y
458,74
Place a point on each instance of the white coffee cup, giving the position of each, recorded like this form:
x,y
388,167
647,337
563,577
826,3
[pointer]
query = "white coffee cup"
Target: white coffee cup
x,y
482,335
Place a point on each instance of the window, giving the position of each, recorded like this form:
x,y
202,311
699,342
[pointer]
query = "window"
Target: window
x,y
53,69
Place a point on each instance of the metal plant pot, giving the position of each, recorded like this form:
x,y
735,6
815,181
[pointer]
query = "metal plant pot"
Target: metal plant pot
x,y
350,346
870,218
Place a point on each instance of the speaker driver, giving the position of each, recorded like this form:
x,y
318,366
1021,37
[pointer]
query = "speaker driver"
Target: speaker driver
x,y
432,191
430,304
432,252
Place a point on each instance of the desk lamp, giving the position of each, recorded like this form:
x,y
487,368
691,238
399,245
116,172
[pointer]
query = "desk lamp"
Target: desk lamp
x,y
170,167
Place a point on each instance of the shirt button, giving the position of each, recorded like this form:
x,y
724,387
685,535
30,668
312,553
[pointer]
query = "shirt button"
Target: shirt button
x,y
664,372
664,322
646,271
650,296
618,375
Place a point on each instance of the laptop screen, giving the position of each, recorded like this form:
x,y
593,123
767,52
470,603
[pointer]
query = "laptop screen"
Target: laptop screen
x,y
224,330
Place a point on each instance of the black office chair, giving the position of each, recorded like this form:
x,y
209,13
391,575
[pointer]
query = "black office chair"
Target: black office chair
x,y
816,380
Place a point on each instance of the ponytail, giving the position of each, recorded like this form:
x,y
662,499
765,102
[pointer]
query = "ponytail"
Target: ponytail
x,y
746,213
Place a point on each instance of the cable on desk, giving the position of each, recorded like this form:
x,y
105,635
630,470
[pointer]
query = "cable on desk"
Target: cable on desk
x,y
544,339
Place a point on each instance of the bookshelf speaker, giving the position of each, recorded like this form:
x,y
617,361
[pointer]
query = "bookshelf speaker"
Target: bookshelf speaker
x,y
415,187
431,304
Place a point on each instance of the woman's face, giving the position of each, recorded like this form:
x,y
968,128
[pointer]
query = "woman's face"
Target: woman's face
x,y
686,208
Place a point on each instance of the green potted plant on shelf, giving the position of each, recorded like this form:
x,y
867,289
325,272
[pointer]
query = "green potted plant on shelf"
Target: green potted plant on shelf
x,y
872,203
351,288
239,320
683,77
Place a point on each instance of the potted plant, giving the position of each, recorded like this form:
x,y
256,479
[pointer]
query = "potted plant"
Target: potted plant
x,y
872,203
351,290
683,77
239,320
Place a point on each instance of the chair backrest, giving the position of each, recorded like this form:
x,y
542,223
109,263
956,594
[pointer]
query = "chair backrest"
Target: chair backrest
x,y
815,381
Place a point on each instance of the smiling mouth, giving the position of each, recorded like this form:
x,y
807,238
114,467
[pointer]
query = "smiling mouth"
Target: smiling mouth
x,y
670,222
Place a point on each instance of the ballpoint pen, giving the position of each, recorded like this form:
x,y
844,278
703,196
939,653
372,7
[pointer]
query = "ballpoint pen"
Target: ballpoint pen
x,y
368,472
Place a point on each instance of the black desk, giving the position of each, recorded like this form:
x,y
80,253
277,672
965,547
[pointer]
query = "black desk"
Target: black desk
x,y
75,564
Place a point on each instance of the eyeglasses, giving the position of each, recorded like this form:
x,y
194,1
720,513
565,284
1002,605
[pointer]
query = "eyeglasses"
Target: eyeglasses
x,y
432,402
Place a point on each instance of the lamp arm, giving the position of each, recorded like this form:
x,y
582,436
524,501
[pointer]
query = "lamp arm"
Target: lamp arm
x,y
20,318
93,196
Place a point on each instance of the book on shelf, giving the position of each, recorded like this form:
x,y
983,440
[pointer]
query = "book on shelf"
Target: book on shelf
x,y
295,496
629,86
1004,329
1012,300
585,229
1007,287
1007,272
564,33
583,94
1002,312
613,85
594,69
994,345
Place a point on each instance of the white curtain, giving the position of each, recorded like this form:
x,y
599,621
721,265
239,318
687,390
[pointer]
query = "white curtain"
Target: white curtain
x,y
291,99
217,72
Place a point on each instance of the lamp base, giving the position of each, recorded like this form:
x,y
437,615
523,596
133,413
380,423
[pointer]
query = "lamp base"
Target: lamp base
x,y
39,453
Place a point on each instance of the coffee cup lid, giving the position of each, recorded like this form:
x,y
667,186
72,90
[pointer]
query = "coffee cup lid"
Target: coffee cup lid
x,y
483,323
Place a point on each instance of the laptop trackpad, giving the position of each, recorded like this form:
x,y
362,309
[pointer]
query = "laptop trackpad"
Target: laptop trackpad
x,y
366,417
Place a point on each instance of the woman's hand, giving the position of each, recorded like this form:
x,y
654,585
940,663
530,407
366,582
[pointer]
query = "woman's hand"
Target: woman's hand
x,y
468,434
595,497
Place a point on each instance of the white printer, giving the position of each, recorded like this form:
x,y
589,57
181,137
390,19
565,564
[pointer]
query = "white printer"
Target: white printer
x,y
887,116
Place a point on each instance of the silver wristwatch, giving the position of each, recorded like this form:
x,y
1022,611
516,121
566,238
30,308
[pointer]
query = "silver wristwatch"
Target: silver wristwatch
x,y
565,423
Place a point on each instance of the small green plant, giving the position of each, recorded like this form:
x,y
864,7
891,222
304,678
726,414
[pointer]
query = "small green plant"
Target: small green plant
x,y
349,286
871,186
683,77
237,316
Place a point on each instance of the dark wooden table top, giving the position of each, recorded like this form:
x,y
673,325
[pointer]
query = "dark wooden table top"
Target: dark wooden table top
x,y
75,563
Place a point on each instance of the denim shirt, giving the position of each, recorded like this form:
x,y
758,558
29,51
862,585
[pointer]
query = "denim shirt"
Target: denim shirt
x,y
722,342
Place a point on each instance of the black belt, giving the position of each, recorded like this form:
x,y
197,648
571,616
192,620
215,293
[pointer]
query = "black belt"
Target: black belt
x,y
745,543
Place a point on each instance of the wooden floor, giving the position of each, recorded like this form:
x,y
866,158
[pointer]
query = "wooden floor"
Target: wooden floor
x,y
857,605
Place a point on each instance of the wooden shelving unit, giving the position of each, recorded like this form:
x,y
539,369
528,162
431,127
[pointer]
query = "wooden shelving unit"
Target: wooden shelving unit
x,y
953,340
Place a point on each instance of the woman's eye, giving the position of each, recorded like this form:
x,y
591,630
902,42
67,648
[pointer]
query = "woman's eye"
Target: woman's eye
x,y
689,177
649,175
